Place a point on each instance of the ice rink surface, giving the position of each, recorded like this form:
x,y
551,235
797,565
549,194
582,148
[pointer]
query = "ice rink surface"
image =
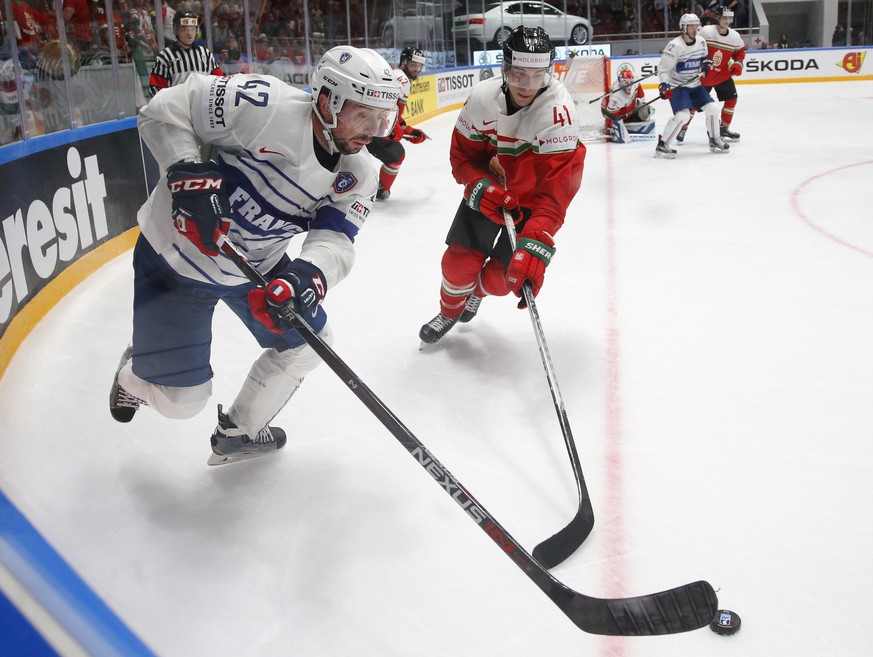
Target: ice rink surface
x,y
711,323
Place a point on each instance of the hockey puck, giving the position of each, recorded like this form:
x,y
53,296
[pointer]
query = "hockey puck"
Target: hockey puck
x,y
726,622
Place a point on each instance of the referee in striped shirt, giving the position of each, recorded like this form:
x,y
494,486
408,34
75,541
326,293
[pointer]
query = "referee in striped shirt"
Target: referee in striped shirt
x,y
177,61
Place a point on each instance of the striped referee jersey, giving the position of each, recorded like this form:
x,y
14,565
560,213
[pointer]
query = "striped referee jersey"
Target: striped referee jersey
x,y
173,65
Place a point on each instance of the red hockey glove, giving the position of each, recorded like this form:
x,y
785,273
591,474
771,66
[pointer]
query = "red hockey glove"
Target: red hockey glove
x,y
664,91
414,135
302,286
397,132
201,208
736,69
529,263
490,199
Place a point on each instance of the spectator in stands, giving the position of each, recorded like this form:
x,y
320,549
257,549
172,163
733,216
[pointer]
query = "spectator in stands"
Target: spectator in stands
x,y
32,30
839,37
77,17
783,41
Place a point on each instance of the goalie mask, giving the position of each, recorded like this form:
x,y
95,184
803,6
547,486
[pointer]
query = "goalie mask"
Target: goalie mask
x,y
528,56
626,78
360,90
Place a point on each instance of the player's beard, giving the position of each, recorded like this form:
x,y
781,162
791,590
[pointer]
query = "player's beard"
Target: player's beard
x,y
348,146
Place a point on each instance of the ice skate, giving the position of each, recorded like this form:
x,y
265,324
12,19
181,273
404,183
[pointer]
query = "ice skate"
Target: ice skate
x,y
122,405
680,138
435,329
728,135
382,194
470,309
230,444
716,145
662,150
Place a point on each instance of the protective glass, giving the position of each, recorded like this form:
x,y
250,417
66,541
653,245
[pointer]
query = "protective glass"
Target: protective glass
x,y
362,119
527,78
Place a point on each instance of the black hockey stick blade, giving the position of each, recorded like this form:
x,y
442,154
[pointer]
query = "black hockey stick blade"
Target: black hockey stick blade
x,y
682,609
565,542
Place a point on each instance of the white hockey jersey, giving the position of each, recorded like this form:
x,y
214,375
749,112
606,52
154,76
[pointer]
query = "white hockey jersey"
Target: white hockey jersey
x,y
680,62
259,130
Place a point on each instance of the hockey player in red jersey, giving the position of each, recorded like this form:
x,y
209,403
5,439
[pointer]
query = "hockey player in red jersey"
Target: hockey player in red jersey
x,y
389,150
621,106
727,50
515,148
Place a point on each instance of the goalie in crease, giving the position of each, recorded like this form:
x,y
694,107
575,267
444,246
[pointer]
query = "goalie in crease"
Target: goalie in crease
x,y
622,111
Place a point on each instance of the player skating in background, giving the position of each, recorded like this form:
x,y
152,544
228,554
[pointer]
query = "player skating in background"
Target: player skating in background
x,y
285,163
620,106
515,147
727,50
389,150
682,63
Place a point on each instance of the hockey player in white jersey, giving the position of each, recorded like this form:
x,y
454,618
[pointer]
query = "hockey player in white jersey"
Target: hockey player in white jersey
x,y
254,159
683,62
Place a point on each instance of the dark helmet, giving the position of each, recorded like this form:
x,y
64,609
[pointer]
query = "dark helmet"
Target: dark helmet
x,y
526,41
185,19
724,11
412,55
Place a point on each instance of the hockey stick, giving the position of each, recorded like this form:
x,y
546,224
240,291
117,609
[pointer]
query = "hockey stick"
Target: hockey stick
x,y
561,545
681,609
594,100
658,97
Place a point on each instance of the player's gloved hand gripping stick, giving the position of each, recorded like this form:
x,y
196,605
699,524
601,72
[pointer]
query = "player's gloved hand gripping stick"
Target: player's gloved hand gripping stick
x,y
681,609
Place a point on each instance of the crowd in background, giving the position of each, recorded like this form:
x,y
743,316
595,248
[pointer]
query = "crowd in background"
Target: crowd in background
x,y
54,38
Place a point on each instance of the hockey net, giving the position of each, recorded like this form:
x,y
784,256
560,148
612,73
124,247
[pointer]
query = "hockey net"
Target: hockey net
x,y
587,78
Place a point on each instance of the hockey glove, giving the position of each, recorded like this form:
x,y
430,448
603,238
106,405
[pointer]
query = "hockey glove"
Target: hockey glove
x,y
414,135
397,132
736,69
301,286
664,91
529,262
706,66
201,208
490,199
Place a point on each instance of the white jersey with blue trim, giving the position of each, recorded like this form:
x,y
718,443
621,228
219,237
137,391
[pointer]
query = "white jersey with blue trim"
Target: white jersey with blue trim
x,y
260,131
680,62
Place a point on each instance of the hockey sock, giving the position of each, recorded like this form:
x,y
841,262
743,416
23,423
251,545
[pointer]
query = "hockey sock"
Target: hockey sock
x,y
388,173
727,112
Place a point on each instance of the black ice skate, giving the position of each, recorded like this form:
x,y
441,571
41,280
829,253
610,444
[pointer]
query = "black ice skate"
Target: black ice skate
x,y
662,150
382,194
680,138
436,328
729,135
716,145
230,444
122,405
470,309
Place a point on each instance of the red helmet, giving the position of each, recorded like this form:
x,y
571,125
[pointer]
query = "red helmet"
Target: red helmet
x,y
626,76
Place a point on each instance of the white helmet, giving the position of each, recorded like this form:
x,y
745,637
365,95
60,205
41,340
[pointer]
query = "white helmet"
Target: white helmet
x,y
686,20
358,74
